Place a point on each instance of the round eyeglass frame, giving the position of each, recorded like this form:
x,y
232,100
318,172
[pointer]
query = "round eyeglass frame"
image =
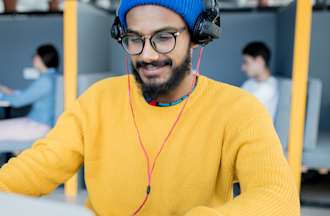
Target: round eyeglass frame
x,y
175,34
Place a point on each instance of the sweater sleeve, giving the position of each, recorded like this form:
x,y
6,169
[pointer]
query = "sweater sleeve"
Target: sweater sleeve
x,y
51,161
267,184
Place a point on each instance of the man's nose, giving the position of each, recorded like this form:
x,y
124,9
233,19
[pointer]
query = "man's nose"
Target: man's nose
x,y
149,54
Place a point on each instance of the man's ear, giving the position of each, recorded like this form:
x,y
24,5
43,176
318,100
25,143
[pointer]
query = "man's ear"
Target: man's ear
x,y
260,60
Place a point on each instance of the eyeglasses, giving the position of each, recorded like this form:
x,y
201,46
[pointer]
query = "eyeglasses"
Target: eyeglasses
x,y
162,42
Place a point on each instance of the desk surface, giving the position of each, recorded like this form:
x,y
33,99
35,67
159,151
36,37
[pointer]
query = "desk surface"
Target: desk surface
x,y
4,103
15,205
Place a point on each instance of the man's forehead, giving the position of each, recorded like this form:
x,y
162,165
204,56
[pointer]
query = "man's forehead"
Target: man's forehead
x,y
147,19
248,57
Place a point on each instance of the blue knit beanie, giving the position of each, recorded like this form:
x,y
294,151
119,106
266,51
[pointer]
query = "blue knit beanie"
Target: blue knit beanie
x,y
188,9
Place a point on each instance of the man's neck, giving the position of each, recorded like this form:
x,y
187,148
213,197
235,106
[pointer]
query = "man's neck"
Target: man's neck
x,y
263,76
182,90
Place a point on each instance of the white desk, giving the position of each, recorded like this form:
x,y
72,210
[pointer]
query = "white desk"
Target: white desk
x,y
15,205
4,103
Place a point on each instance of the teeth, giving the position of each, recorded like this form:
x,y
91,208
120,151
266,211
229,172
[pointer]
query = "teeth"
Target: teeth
x,y
150,67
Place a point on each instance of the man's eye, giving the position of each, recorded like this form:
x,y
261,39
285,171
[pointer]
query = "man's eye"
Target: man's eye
x,y
135,40
164,37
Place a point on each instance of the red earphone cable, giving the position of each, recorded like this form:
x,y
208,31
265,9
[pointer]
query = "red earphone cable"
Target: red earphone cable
x,y
150,171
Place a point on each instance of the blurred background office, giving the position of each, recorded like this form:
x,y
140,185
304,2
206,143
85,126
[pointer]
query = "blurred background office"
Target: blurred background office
x,y
30,5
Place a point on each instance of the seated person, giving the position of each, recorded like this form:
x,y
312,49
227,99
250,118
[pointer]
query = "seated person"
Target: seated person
x,y
41,94
261,83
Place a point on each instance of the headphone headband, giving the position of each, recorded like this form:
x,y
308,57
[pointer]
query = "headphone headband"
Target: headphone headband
x,y
207,26
209,4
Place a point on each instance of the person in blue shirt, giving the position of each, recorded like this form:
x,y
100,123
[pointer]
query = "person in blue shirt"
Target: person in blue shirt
x,y
40,94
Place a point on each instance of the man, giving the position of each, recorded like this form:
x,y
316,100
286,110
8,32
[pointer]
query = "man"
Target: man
x,y
261,83
162,144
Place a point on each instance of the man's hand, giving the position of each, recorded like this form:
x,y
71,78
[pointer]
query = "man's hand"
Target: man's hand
x,y
6,90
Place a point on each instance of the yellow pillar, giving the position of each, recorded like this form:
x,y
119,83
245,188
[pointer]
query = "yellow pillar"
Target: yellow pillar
x,y
299,85
70,71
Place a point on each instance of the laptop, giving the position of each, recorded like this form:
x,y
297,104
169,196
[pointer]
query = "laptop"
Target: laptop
x,y
15,205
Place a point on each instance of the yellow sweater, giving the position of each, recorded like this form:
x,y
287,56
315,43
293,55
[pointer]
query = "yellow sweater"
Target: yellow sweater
x,y
223,135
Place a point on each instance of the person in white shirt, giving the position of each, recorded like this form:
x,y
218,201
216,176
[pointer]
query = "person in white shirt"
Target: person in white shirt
x,y
260,83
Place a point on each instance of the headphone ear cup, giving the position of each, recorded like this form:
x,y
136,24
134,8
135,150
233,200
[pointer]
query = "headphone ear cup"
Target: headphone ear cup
x,y
117,30
206,29
207,26
197,30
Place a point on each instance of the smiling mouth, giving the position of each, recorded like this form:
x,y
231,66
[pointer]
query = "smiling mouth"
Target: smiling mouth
x,y
151,71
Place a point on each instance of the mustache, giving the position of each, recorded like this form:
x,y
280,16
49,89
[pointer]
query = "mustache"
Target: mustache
x,y
142,64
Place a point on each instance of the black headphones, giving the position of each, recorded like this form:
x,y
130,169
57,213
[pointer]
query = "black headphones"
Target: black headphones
x,y
207,26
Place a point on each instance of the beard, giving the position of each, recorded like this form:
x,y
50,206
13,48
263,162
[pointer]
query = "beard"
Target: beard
x,y
152,91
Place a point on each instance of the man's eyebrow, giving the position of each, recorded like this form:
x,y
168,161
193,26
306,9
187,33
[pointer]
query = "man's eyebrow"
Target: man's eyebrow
x,y
133,31
167,28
